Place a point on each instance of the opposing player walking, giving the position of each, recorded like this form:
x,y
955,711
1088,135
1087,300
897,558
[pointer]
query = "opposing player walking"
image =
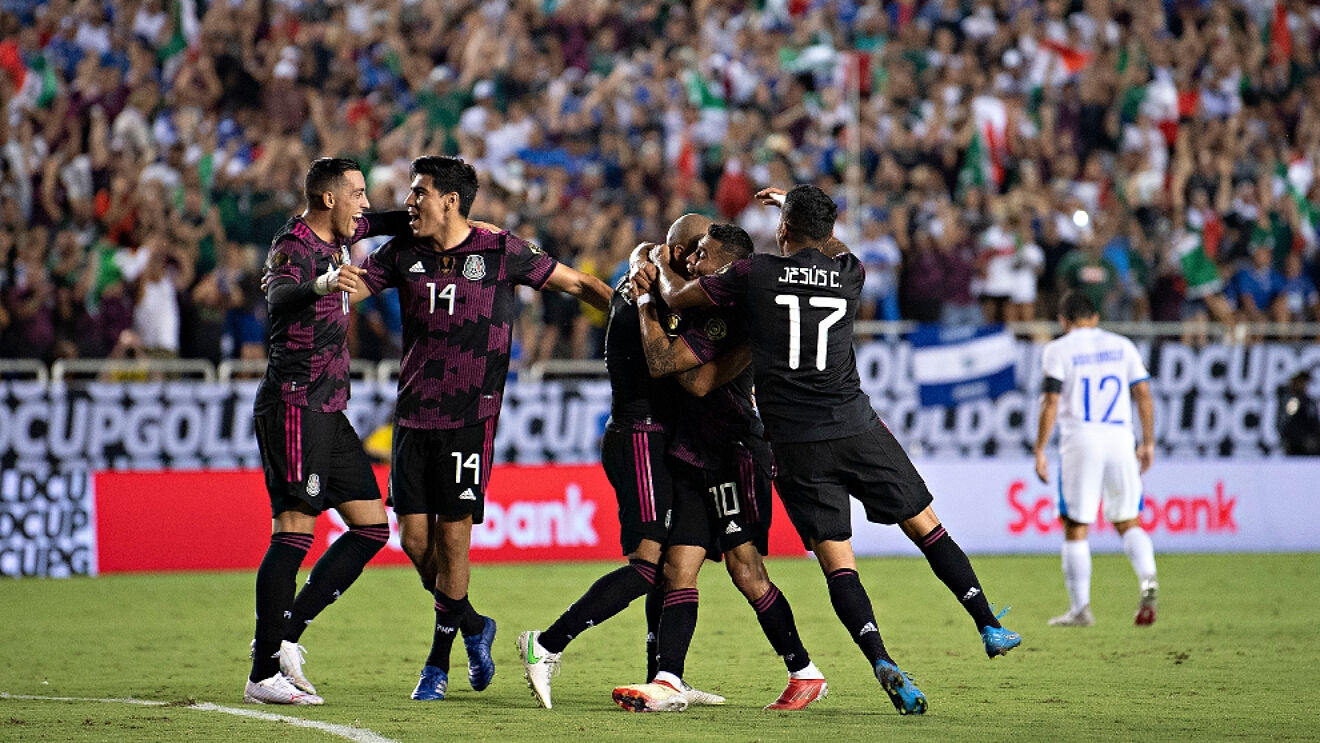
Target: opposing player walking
x,y
1092,378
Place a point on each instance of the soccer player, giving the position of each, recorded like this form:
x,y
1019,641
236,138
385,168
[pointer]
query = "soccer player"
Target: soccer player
x,y
721,467
827,440
633,456
456,287
1092,377
312,456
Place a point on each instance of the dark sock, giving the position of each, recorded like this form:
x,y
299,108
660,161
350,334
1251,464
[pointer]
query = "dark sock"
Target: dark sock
x,y
277,579
472,622
677,623
655,603
951,566
341,564
776,618
609,595
448,612
853,607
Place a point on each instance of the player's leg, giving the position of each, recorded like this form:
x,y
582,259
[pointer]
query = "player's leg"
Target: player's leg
x,y
664,692
1081,473
1123,503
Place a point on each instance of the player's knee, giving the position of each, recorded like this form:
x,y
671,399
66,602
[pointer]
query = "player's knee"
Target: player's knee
x,y
749,577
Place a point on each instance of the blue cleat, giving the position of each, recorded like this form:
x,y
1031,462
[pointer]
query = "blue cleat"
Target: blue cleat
x,y
999,640
481,668
432,686
905,695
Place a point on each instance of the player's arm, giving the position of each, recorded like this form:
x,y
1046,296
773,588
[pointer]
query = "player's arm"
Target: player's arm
x,y
1146,414
1049,411
584,286
286,287
713,375
679,293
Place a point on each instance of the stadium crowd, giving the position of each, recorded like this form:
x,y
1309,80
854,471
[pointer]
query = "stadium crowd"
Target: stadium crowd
x,y
1160,156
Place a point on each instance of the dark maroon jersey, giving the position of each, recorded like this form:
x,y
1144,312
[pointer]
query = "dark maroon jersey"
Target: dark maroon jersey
x,y
308,357
458,313
799,311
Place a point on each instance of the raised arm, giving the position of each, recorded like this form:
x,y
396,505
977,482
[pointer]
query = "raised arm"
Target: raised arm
x,y
678,292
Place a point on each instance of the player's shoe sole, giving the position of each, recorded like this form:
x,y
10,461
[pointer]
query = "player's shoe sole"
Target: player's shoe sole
x,y
800,693
904,694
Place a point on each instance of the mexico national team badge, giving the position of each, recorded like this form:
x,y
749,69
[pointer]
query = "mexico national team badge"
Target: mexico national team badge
x,y
671,322
313,485
474,269
715,329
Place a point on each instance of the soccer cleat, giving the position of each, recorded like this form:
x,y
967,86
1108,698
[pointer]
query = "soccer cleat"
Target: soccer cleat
x,y
999,640
656,696
1080,618
277,690
699,698
905,695
539,666
799,693
433,684
481,668
1150,597
291,663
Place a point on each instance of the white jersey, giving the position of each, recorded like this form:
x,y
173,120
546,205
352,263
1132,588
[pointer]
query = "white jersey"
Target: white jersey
x,y
1098,461
1097,369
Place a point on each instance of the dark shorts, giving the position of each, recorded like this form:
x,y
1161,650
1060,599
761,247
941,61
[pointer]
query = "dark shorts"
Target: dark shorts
x,y
312,458
816,478
720,509
633,457
442,472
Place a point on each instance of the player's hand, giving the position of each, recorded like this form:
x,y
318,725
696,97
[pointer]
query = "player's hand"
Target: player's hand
x,y
770,196
484,225
1042,467
660,254
639,256
644,278
1146,455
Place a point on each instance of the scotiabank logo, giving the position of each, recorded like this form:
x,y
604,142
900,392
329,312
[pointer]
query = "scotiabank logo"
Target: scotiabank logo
x,y
523,524
1198,513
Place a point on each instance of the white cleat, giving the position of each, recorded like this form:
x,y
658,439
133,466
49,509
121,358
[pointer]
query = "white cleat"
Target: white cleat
x,y
291,663
656,696
539,666
277,690
699,698
1080,618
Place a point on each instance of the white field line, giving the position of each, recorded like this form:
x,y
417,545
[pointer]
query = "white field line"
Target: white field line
x,y
357,735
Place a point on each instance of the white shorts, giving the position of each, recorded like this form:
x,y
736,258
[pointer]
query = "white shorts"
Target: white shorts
x,y
1099,464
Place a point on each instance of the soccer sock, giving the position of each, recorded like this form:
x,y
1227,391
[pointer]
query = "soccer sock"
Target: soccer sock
x,y
609,595
341,564
448,613
1140,552
853,607
276,580
951,566
776,619
677,623
472,622
655,603
1077,572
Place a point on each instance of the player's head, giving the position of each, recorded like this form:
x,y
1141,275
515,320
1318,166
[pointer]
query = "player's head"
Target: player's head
x,y
1076,307
806,218
335,188
722,244
442,191
683,236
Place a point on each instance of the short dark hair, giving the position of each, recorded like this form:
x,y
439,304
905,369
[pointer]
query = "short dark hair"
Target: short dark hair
x,y
325,174
449,174
735,241
809,212
1075,305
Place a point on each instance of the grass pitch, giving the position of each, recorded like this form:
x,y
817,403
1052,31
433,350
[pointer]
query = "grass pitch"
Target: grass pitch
x,y
1233,656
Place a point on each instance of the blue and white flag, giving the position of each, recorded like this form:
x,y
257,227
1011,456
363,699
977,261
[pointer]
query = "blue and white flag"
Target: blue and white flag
x,y
954,364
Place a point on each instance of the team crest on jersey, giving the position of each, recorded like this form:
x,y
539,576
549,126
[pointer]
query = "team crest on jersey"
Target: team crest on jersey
x,y
534,248
671,322
446,265
313,485
474,268
715,329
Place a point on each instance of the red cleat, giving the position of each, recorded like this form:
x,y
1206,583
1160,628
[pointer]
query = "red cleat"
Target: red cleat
x,y
799,693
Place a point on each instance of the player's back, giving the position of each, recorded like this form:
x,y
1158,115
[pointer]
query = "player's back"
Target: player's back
x,y
800,311
1097,369
634,394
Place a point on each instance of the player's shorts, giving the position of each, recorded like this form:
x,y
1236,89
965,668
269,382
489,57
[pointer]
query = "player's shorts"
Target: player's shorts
x,y
720,509
633,456
442,472
816,478
1099,465
311,458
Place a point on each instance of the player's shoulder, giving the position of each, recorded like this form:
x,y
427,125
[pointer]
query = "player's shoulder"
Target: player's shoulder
x,y
294,238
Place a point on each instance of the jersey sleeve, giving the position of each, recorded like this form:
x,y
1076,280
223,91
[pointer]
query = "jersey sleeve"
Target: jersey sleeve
x,y
727,285
526,263
712,335
290,268
1052,362
381,267
1136,369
